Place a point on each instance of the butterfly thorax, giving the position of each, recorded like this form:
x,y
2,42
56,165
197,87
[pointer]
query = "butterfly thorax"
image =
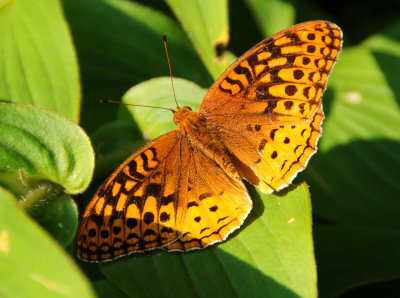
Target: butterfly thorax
x,y
191,124
194,126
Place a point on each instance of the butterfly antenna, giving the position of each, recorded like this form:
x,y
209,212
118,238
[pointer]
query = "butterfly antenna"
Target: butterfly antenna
x,y
170,69
129,104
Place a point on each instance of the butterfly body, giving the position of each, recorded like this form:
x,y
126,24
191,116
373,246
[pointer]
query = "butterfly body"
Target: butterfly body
x,y
260,121
194,126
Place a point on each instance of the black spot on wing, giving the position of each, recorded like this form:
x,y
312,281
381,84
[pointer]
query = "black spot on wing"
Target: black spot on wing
x,y
104,234
270,107
133,170
214,208
192,204
272,133
154,190
205,195
262,145
131,223
241,70
148,218
164,216
168,199
149,232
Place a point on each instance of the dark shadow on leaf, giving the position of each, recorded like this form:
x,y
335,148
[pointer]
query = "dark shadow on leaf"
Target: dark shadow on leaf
x,y
358,184
327,101
104,289
285,191
207,273
393,31
355,186
320,220
389,288
349,256
258,205
390,66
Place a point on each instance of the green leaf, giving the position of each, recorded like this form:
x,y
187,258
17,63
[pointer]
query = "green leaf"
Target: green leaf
x,y
60,220
38,145
355,177
31,263
38,64
272,16
106,289
4,3
387,41
206,23
158,92
354,256
113,143
119,44
271,256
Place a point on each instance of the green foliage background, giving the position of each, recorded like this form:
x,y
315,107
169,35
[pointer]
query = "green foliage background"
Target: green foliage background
x,y
58,58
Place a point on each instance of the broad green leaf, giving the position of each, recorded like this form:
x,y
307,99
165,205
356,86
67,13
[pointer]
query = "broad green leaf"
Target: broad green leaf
x,y
119,44
43,146
32,263
104,288
354,256
158,92
273,16
271,256
206,23
38,64
355,176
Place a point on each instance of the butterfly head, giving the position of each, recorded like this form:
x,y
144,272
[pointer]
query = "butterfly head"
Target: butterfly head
x,y
189,122
181,113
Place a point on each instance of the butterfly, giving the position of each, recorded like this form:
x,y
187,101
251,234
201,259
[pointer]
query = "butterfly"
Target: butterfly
x,y
260,121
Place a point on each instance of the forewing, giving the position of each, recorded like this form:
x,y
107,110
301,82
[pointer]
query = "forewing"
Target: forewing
x,y
279,81
266,108
217,204
141,206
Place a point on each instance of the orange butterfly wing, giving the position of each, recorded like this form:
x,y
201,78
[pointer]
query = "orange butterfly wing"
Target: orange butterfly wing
x,y
217,204
168,194
267,106
141,205
280,80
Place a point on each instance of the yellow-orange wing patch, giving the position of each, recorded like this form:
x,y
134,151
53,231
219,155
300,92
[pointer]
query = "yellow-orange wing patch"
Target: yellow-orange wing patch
x,y
217,204
271,156
142,204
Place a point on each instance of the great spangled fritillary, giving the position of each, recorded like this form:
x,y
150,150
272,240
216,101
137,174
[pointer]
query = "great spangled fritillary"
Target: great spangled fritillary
x,y
260,121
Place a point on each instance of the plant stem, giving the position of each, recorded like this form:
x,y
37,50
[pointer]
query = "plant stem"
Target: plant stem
x,y
39,198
